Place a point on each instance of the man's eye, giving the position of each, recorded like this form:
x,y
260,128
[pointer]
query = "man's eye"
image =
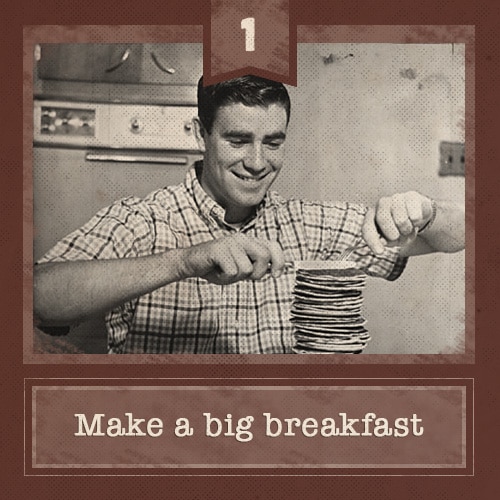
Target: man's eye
x,y
274,145
237,142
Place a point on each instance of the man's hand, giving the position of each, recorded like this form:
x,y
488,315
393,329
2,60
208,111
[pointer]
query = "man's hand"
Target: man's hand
x,y
234,258
396,220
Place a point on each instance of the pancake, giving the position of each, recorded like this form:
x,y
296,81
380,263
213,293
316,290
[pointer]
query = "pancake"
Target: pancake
x,y
326,308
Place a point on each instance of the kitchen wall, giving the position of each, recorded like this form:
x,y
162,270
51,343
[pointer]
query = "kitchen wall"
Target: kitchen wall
x,y
367,121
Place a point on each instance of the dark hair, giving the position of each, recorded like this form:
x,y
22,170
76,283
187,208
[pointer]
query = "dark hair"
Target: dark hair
x,y
248,90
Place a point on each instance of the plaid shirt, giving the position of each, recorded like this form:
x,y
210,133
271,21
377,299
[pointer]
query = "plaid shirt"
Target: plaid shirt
x,y
192,315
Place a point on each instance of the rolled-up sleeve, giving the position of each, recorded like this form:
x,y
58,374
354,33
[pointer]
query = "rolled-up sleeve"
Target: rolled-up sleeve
x,y
120,230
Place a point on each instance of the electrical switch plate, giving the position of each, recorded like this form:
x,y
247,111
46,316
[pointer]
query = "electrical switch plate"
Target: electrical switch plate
x,y
452,158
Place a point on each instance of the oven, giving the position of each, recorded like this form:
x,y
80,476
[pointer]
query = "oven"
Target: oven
x,y
88,155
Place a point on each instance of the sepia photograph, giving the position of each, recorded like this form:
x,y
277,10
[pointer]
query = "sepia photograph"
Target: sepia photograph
x,y
249,216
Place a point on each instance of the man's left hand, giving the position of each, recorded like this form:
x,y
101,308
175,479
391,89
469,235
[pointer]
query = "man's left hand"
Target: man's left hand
x,y
395,220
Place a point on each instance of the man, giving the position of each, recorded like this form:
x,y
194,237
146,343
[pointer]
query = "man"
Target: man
x,y
200,267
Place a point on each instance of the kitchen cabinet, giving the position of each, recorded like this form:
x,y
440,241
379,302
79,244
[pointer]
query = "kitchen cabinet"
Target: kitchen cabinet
x,y
89,62
152,63
171,63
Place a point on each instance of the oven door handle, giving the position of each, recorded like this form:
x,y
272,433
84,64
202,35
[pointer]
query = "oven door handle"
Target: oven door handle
x,y
128,158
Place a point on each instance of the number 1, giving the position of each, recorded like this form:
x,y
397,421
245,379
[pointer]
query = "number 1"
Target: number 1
x,y
248,25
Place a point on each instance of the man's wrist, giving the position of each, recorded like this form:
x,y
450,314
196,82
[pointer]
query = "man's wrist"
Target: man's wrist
x,y
177,264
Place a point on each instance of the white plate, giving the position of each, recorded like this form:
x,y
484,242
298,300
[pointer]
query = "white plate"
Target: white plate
x,y
325,265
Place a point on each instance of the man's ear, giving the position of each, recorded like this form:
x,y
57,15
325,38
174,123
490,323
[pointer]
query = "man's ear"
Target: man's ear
x,y
199,133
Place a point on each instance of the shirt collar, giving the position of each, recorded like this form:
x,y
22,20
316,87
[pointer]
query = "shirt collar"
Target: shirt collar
x,y
207,206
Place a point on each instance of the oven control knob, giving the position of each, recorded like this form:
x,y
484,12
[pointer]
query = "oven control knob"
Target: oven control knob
x,y
136,126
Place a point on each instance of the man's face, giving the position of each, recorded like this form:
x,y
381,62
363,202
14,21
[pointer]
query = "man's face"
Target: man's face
x,y
243,154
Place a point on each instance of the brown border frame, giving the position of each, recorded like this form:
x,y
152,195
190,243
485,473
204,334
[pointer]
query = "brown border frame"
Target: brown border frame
x,y
484,15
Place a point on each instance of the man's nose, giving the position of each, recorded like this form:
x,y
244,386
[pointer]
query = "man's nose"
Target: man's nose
x,y
255,160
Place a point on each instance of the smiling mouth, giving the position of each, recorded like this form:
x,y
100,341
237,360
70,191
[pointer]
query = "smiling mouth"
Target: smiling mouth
x,y
250,179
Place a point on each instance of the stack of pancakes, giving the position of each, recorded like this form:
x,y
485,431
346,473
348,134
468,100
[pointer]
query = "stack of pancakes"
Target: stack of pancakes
x,y
326,309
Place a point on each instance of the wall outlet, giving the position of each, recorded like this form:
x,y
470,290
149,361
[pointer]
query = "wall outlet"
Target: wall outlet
x,y
452,158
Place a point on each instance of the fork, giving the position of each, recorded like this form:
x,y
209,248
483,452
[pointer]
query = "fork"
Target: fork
x,y
347,252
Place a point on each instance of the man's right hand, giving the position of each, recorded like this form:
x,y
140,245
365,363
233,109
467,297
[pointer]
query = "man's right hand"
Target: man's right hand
x,y
234,258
